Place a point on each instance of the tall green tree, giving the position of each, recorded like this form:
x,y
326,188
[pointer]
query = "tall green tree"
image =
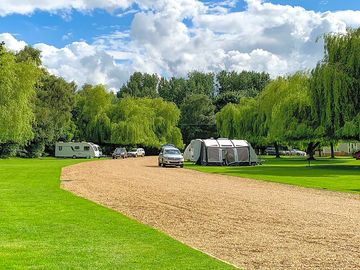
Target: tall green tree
x,y
29,54
248,83
17,80
201,83
54,102
335,87
90,114
146,122
173,89
197,118
140,85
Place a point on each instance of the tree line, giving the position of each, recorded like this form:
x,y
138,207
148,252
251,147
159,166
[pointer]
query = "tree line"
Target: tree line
x,y
38,108
307,108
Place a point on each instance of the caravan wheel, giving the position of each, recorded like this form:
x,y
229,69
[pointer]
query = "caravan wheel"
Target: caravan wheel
x,y
74,157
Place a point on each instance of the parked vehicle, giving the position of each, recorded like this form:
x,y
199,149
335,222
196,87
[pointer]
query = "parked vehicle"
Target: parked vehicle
x,y
132,152
270,151
170,156
119,152
357,155
77,150
297,152
140,152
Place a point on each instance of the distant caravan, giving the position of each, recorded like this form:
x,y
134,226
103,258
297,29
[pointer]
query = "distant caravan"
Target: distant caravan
x,y
221,152
77,150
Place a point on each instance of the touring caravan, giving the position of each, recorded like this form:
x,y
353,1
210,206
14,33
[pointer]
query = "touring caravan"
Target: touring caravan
x,y
77,150
221,152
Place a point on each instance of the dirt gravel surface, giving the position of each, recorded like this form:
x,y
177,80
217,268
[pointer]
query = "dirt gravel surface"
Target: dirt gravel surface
x,y
248,223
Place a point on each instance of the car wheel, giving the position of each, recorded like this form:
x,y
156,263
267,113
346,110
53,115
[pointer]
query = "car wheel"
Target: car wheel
x,y
182,166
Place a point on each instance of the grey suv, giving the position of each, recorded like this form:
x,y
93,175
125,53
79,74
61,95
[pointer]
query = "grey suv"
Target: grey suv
x,y
170,156
119,152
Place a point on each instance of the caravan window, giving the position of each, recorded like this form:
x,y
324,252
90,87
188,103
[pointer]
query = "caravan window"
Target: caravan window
x,y
86,148
60,148
77,147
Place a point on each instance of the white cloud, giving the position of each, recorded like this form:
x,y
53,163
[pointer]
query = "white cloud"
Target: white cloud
x,y
11,42
29,6
278,39
83,63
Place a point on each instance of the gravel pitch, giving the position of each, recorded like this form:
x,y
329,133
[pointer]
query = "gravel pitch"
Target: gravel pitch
x,y
248,223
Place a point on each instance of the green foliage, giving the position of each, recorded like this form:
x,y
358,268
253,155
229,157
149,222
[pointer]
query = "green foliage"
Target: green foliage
x,y
225,98
29,54
281,113
140,85
17,80
93,104
146,122
245,83
197,118
241,121
291,118
335,87
226,121
8,149
173,90
200,83
54,102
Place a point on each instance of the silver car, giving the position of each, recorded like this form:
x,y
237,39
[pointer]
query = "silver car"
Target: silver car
x,y
170,156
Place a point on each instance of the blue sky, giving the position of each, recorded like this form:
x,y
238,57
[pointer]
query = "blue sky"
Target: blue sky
x,y
109,40
59,29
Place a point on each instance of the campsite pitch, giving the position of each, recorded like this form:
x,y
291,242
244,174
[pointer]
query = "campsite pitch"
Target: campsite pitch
x,y
251,224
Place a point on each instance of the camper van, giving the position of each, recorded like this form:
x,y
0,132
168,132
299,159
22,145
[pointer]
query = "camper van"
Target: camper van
x,y
77,150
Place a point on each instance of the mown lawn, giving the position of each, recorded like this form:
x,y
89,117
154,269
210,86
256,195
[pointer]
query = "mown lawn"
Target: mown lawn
x,y
44,227
340,174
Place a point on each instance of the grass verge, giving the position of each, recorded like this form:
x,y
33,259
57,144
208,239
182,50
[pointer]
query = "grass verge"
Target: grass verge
x,y
44,227
340,174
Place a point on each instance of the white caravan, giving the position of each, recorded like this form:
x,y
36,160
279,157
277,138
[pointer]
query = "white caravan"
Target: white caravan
x,y
77,150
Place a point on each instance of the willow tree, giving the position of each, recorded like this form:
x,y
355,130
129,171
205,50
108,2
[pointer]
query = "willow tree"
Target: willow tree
x,y
240,121
17,82
335,88
292,120
90,114
268,99
146,122
226,120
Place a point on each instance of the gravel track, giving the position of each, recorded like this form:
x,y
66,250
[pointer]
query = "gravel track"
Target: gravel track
x,y
248,223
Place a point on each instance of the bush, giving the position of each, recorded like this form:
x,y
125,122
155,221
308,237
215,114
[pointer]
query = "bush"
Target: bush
x,y
8,150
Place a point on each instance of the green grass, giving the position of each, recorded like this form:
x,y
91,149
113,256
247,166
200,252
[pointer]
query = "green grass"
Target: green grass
x,y
44,227
340,174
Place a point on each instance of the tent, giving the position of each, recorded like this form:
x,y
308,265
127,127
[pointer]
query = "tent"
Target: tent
x,y
220,152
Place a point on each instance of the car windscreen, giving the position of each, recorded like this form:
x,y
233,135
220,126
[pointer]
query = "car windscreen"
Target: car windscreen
x,y
172,152
133,150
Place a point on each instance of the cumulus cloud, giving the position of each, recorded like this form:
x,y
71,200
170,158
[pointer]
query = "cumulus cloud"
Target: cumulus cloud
x,y
171,38
27,7
11,42
83,63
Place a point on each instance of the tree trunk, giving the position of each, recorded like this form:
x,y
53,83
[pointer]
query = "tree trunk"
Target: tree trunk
x,y
319,152
311,150
277,152
332,150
